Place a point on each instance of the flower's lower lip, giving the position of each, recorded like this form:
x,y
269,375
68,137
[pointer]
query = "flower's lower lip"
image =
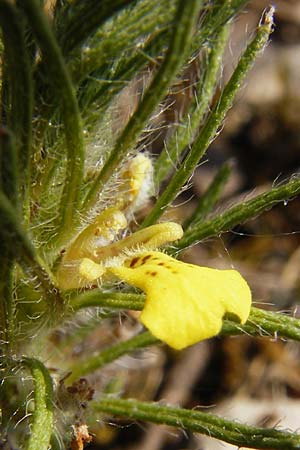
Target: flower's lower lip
x,y
184,303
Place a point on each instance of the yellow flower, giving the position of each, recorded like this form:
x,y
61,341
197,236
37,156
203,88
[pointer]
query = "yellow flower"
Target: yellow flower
x,y
185,303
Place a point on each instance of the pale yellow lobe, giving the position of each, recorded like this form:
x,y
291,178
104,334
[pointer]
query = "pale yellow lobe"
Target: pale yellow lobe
x,y
150,238
79,273
185,303
89,270
101,232
138,183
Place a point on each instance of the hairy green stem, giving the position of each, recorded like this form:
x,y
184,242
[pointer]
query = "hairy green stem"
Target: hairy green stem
x,y
232,432
237,214
183,28
212,35
260,321
96,297
184,132
65,95
265,323
42,419
112,353
214,121
9,189
210,197
214,16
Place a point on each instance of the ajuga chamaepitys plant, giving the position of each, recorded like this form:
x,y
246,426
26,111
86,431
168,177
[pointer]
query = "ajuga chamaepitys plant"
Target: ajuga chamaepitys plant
x,y
76,180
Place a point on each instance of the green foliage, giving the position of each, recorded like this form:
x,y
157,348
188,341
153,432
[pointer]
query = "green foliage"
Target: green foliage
x,y
62,75
233,432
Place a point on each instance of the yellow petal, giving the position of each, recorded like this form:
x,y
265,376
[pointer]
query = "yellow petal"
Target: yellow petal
x,y
89,270
185,303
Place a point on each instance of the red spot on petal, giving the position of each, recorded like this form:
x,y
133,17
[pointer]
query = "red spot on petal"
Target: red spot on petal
x,y
134,261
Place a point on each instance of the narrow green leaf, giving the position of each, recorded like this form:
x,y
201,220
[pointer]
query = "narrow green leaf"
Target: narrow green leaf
x,y
128,31
232,432
183,28
214,121
237,214
65,95
42,419
93,363
19,78
209,197
96,297
101,89
98,89
217,14
265,323
78,20
204,90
